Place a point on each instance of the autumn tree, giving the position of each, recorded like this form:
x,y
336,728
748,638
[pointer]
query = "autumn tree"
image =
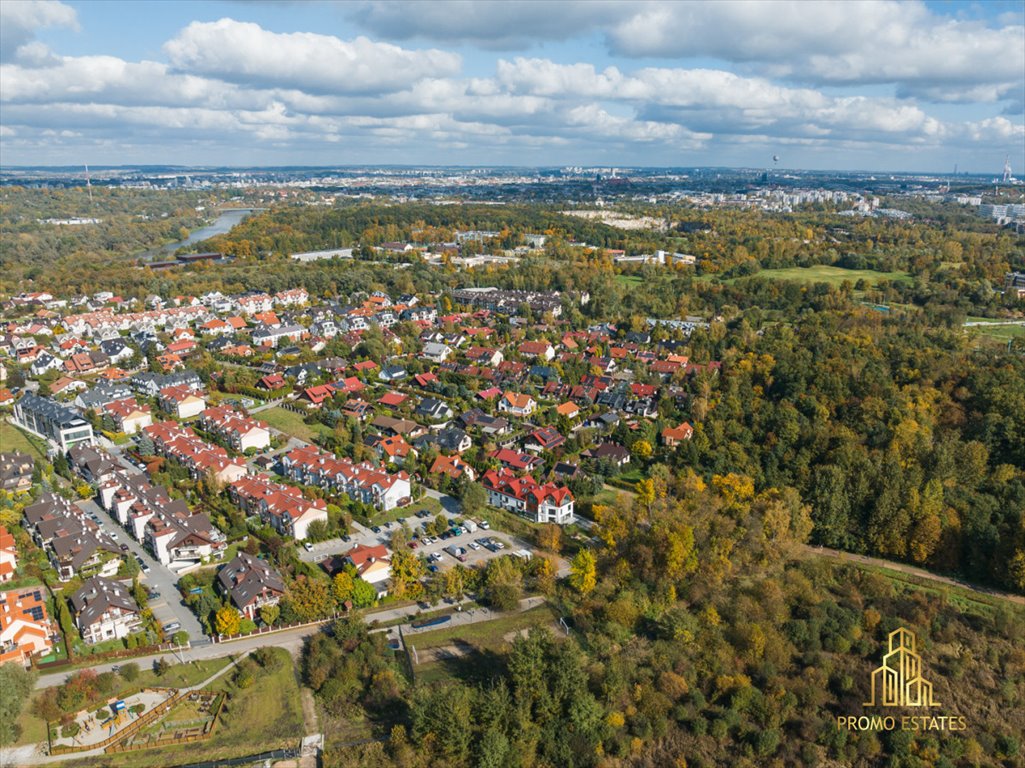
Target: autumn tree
x,y
584,572
549,537
227,621
342,586
310,598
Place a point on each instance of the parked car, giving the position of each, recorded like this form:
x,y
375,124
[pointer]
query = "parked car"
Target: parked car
x,y
473,545
433,568
307,546
376,529
346,538
145,568
152,595
174,626
485,525
124,547
412,545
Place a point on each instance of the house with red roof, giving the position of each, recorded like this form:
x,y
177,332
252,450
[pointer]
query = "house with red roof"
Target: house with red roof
x,y
25,629
548,503
539,349
319,394
392,399
373,564
128,416
284,508
181,400
673,436
272,381
453,467
517,404
516,461
8,556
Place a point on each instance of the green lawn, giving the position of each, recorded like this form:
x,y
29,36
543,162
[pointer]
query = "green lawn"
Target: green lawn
x,y
408,512
1001,333
629,281
484,634
179,676
13,439
267,715
826,274
291,423
479,641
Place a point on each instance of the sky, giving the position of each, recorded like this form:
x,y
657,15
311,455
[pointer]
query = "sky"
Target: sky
x,y
855,84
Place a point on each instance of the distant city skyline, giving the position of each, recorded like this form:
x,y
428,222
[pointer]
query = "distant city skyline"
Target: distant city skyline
x,y
860,85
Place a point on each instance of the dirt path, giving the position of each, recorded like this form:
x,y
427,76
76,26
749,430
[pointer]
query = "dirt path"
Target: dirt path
x,y
913,571
310,711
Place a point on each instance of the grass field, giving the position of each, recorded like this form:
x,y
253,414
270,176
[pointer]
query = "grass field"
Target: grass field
x,y
629,281
485,634
33,729
267,715
1001,333
481,644
292,423
13,439
824,274
408,511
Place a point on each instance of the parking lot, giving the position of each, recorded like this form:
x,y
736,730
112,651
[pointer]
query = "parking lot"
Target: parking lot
x,y
475,551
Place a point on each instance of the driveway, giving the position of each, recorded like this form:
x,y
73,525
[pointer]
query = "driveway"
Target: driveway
x,y
169,606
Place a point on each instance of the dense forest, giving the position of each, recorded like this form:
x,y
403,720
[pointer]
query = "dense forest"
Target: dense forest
x,y
698,639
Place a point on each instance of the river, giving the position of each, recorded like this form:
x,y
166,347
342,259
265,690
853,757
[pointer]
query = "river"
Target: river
x,y
224,223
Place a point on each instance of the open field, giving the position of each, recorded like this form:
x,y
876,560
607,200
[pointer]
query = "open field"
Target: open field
x,y
266,715
997,331
292,423
819,274
408,511
832,275
629,281
477,645
13,439
485,634
33,729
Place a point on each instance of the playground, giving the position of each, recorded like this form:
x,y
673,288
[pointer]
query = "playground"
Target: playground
x,y
192,718
90,728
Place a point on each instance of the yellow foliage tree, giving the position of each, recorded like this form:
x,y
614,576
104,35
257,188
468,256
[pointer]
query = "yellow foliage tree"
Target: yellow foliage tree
x,y
227,621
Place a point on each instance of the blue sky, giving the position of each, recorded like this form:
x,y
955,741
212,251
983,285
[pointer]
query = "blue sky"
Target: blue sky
x,y
865,84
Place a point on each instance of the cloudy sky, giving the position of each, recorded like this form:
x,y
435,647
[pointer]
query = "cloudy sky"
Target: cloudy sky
x,y
866,84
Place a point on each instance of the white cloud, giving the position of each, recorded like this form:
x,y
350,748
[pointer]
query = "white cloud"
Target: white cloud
x,y
233,84
496,25
19,20
243,52
930,56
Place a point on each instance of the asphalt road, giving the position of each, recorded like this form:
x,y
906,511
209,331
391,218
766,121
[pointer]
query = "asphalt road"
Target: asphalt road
x,y
169,607
290,639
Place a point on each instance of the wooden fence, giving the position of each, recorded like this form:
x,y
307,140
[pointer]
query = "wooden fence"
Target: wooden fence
x,y
132,728
167,741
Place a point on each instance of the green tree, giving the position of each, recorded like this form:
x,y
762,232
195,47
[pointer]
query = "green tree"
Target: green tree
x,y
474,499
310,598
15,686
363,594
269,614
342,586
